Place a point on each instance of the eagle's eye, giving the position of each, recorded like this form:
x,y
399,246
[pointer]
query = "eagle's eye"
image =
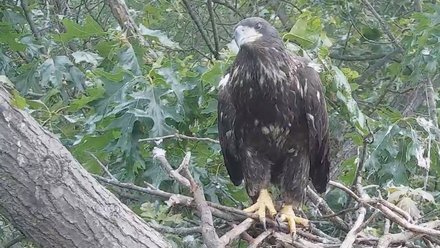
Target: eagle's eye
x,y
258,26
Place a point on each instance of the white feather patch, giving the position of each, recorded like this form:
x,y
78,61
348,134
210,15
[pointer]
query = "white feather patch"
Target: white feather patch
x,y
224,80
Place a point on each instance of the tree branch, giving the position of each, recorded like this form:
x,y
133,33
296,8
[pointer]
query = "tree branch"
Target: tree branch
x,y
229,6
199,27
236,231
28,16
179,136
214,28
384,25
402,237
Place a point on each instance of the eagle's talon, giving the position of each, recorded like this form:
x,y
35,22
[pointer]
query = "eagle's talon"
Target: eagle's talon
x,y
287,214
264,202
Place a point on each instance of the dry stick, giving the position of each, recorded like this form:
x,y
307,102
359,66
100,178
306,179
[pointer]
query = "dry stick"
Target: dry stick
x,y
257,241
220,211
199,26
176,230
179,136
159,154
209,235
103,166
346,189
396,209
402,237
362,211
323,206
404,223
432,110
352,234
372,202
236,231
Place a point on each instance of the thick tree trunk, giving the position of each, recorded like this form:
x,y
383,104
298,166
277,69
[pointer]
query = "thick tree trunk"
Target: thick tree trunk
x,y
46,193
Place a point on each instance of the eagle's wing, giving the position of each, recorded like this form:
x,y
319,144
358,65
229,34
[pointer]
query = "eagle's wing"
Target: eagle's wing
x,y
317,121
226,118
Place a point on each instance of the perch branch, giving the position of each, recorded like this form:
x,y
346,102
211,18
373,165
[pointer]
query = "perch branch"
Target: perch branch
x,y
179,136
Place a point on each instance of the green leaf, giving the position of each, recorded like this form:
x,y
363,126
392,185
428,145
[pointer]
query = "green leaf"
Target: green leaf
x,y
160,36
88,57
344,94
10,37
348,171
17,100
92,94
54,70
77,31
213,74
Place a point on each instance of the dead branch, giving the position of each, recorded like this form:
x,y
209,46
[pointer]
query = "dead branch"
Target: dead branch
x,y
209,235
403,237
236,231
179,136
323,206
159,154
176,230
258,240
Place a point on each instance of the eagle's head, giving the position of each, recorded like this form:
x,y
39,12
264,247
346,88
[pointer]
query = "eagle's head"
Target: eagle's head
x,y
256,31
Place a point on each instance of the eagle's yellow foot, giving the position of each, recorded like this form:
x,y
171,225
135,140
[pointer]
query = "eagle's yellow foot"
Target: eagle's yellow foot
x,y
287,214
264,202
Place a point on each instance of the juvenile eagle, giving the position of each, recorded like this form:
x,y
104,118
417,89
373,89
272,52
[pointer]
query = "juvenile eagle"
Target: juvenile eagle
x,y
272,121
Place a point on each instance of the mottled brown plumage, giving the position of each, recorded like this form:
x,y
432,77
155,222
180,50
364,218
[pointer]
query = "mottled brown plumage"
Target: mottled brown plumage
x,y
273,123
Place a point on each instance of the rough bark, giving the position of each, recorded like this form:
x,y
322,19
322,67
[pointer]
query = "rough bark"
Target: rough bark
x,y
48,196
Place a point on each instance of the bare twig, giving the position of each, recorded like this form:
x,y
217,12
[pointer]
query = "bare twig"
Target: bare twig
x,y
229,6
103,166
236,231
176,230
352,234
258,240
346,189
402,237
179,136
209,235
404,223
356,58
159,154
323,206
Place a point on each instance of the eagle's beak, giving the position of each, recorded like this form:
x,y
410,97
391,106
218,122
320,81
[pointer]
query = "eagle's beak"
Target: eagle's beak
x,y
244,34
